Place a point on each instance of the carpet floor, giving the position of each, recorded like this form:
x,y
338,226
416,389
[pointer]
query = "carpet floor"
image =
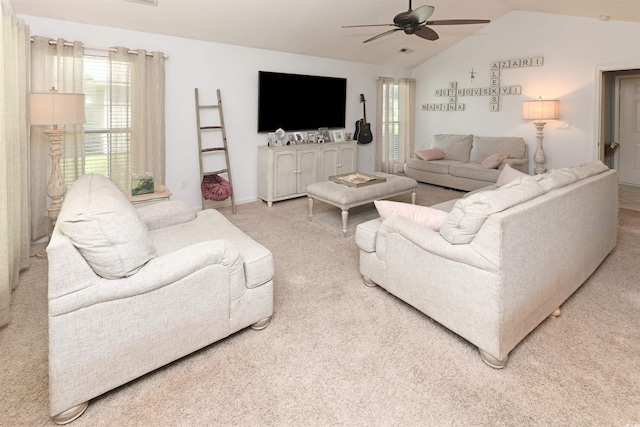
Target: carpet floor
x,y
338,353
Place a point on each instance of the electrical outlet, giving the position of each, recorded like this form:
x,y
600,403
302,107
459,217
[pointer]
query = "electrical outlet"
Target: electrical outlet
x,y
564,126
183,184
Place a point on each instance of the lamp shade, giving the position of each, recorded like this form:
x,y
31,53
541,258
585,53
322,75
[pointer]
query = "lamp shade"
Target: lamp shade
x,y
541,109
57,108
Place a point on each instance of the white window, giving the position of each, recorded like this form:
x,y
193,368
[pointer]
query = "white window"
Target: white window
x,y
107,131
394,129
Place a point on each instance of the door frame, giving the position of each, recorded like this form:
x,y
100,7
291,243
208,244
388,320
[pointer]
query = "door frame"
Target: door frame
x,y
601,110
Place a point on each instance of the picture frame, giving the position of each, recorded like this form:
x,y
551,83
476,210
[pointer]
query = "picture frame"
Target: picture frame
x,y
292,139
338,135
272,141
348,136
320,138
325,134
311,138
298,138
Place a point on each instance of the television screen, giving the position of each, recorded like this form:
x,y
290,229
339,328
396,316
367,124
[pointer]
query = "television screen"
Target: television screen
x,y
297,102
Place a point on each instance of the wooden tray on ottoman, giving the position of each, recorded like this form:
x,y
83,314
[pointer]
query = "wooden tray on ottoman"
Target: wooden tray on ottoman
x,y
357,179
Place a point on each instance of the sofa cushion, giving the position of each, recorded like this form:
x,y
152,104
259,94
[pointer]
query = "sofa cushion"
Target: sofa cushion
x,y
430,154
105,227
210,224
434,166
508,174
590,169
469,214
166,214
455,147
556,178
474,171
494,160
484,146
423,215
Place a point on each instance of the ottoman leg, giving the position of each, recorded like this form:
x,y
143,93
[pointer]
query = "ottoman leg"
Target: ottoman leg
x,y
413,197
310,207
345,217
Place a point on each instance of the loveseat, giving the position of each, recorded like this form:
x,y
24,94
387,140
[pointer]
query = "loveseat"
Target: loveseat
x,y
501,260
131,290
467,162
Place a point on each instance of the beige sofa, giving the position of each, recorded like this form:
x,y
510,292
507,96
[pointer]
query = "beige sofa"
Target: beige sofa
x,y
132,290
461,168
503,260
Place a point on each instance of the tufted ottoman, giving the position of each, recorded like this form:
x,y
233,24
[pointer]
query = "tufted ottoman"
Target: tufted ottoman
x,y
345,197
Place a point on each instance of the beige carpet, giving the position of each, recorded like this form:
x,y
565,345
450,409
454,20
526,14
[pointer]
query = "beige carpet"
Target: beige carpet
x,y
340,353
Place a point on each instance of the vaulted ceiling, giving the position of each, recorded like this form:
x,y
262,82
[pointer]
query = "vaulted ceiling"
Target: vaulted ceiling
x,y
313,27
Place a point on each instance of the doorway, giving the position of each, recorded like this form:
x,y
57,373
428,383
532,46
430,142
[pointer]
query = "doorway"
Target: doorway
x,y
619,146
627,129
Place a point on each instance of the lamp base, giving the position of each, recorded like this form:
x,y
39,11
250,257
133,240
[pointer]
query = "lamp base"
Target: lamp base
x,y
539,158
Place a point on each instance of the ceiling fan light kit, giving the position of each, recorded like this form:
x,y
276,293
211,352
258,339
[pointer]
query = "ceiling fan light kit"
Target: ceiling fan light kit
x,y
415,22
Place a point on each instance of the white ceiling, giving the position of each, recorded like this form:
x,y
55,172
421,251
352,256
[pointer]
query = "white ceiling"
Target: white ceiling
x,y
313,27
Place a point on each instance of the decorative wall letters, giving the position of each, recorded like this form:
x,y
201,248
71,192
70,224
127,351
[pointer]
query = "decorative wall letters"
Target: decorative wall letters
x,y
494,91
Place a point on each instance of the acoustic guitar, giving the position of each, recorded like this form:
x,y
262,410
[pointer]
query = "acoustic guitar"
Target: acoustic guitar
x,y
363,129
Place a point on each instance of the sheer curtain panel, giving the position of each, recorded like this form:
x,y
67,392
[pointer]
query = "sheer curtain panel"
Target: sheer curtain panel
x,y
394,123
147,111
14,155
61,66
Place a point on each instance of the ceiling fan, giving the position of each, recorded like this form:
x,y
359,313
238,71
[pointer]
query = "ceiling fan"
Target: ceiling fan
x,y
415,22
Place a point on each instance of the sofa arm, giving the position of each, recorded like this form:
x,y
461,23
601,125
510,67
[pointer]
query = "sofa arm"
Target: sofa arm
x,y
166,214
520,164
433,243
366,234
160,272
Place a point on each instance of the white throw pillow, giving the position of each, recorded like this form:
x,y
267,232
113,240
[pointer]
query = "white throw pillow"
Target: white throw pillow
x,y
105,227
430,154
494,160
423,215
508,174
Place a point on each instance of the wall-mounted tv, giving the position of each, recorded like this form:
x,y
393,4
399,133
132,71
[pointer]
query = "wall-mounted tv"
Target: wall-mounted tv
x,y
297,102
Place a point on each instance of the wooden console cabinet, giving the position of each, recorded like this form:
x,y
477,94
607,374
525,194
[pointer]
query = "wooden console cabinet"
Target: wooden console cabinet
x,y
285,172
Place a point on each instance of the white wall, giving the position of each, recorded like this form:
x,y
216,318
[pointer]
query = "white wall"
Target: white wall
x,y
234,70
573,49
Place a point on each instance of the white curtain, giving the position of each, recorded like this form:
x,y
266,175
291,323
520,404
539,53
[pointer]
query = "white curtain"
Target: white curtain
x,y
147,111
58,65
14,155
138,83
394,123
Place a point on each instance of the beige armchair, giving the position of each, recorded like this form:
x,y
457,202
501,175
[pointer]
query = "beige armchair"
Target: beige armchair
x,y
132,290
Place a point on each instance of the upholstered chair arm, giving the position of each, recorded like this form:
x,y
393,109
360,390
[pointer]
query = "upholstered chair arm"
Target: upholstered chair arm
x,y
218,255
166,214
366,234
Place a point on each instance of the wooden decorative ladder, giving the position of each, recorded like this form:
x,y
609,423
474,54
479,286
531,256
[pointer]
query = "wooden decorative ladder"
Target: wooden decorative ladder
x,y
205,151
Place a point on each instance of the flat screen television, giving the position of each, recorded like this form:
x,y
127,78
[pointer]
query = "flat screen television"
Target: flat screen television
x,y
296,102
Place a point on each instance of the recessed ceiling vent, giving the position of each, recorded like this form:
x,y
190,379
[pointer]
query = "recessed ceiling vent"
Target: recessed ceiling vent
x,y
147,2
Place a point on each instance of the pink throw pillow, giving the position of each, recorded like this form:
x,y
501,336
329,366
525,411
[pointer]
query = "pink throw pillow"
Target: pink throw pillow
x,y
430,154
423,215
508,174
494,160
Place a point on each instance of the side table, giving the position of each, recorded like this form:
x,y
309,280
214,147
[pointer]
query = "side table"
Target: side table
x,y
160,193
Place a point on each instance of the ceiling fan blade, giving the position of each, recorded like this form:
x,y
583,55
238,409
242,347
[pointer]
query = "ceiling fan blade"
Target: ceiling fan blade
x,y
420,15
457,21
427,33
368,25
382,35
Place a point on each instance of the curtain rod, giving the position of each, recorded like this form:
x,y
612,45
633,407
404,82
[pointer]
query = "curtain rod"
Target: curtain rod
x,y
105,49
